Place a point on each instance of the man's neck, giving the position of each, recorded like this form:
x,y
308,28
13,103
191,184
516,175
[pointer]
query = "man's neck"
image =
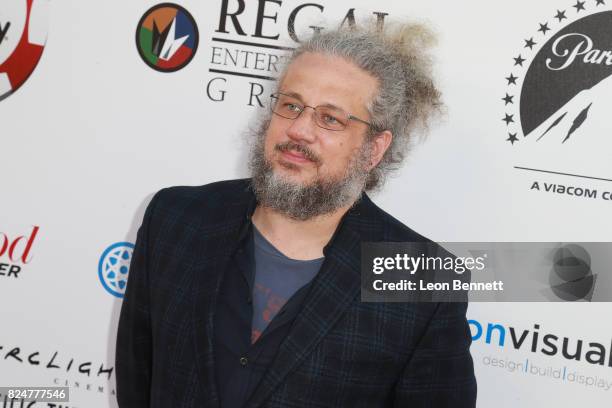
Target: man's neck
x,y
297,239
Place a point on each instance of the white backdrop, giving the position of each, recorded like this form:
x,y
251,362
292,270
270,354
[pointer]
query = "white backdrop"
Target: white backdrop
x,y
94,132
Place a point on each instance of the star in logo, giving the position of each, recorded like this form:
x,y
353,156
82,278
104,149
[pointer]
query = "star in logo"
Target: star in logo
x,y
511,79
512,138
530,43
599,2
508,99
508,119
561,15
519,60
579,6
544,28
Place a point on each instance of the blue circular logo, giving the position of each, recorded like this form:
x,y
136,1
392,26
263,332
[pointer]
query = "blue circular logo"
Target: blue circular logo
x,y
114,266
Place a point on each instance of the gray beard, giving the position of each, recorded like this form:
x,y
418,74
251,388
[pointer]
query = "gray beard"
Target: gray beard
x,y
303,202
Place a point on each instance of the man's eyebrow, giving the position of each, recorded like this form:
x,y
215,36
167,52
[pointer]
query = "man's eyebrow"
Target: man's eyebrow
x,y
293,94
331,105
298,96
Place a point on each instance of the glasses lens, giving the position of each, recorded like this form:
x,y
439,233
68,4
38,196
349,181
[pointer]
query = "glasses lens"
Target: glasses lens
x,y
286,106
331,118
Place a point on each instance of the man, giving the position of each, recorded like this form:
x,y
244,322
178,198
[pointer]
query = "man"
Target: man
x,y
247,292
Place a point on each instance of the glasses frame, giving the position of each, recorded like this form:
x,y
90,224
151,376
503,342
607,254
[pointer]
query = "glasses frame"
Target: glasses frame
x,y
274,100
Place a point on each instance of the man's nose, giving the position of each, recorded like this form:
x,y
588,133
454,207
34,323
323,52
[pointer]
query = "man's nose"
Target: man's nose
x,y
304,127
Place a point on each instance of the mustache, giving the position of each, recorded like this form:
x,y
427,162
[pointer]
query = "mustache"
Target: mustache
x,y
289,145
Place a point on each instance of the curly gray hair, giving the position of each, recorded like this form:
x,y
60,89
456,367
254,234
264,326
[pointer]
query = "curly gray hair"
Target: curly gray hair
x,y
407,97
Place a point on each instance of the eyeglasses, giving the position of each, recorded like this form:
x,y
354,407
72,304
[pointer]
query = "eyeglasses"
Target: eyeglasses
x,y
327,117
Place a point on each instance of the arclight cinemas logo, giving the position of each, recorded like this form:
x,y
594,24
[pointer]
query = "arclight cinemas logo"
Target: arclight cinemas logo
x,y
565,91
15,252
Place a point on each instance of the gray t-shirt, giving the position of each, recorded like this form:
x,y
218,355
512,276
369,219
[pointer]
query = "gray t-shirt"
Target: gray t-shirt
x,y
277,278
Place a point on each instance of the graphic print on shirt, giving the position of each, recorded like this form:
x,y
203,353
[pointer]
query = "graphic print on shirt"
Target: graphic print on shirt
x,y
273,304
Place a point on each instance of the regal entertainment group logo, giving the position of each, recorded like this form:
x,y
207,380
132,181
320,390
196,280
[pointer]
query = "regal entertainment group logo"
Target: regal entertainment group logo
x,y
253,40
557,96
250,44
23,33
167,37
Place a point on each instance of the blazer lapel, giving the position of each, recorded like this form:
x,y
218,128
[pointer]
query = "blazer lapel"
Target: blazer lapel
x,y
333,289
219,244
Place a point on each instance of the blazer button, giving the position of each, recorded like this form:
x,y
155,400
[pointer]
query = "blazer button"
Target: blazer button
x,y
244,361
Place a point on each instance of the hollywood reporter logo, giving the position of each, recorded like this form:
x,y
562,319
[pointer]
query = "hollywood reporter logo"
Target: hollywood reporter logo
x,y
15,252
566,88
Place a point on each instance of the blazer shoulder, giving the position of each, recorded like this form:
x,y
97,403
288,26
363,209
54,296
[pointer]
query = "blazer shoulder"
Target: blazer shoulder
x,y
226,189
393,229
208,203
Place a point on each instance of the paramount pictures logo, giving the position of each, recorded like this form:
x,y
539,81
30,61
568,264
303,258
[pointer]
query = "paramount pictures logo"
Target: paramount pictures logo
x,y
564,74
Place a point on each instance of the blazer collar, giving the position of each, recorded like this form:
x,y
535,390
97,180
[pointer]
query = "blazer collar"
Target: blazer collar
x,y
220,245
332,290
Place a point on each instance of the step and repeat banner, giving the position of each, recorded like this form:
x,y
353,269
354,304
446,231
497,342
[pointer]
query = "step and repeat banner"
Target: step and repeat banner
x,y
102,103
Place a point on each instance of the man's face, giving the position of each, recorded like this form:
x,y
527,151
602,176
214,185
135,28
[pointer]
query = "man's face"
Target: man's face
x,y
300,151
302,170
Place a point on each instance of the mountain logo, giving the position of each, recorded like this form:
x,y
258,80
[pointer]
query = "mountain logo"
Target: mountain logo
x,y
167,37
564,74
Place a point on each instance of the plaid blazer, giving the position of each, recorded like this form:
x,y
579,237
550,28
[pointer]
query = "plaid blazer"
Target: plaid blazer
x,y
340,352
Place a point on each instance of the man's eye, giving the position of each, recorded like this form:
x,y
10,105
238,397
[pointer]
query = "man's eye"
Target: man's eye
x,y
330,119
292,107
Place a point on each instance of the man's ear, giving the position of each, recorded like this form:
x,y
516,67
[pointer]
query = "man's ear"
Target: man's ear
x,y
380,144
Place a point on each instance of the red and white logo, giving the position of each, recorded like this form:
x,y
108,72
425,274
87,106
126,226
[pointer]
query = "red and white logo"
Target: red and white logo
x,y
23,33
